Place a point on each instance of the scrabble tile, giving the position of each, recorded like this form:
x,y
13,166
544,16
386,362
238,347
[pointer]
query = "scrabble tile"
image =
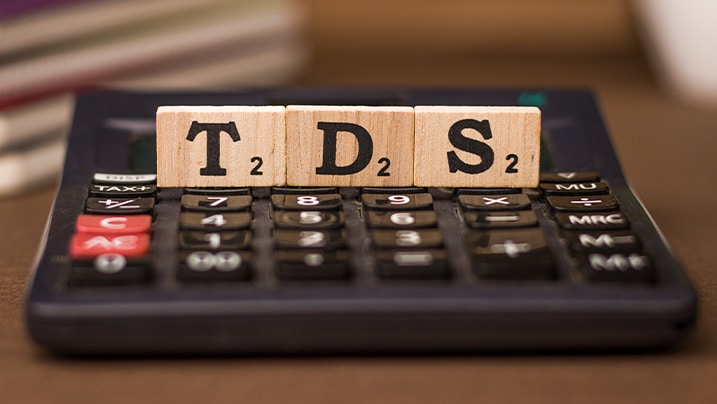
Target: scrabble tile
x,y
477,146
221,146
349,146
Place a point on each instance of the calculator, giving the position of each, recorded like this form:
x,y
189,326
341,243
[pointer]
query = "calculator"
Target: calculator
x,y
575,263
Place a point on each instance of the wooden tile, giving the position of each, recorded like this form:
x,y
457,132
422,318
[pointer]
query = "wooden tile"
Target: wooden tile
x,y
349,145
477,146
222,146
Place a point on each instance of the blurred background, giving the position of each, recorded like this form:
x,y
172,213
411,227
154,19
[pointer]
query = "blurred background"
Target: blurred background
x,y
52,49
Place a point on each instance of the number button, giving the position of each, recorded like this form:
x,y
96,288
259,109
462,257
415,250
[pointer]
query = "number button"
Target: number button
x,y
214,221
306,202
110,269
216,203
206,266
314,239
397,201
309,219
401,219
224,240
303,265
423,238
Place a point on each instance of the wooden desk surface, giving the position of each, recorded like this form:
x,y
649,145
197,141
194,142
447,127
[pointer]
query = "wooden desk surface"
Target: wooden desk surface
x,y
668,153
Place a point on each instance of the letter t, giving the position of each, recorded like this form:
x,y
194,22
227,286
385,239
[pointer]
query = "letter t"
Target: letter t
x,y
213,131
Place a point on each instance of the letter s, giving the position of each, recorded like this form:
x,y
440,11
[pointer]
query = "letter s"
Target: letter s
x,y
461,142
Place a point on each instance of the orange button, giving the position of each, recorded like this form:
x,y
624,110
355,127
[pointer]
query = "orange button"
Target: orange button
x,y
85,245
114,224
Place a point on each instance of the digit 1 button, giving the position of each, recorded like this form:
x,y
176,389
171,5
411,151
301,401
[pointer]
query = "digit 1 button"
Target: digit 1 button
x,y
223,240
397,201
113,224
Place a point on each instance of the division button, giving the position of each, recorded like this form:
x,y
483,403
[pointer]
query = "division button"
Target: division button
x,y
119,205
583,203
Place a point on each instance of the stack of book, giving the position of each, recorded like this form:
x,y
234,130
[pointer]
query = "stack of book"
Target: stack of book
x,y
50,49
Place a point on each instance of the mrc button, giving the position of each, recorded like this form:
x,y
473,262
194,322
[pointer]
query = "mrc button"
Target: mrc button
x,y
592,221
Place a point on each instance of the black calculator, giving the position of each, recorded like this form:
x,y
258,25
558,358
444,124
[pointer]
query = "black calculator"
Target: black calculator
x,y
575,263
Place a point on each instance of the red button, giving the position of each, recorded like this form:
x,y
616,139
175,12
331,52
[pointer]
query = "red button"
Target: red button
x,y
84,245
114,224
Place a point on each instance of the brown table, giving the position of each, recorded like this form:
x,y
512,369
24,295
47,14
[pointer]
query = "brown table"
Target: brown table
x,y
668,153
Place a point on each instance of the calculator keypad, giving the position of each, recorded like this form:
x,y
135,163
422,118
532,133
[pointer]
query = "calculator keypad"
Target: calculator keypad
x,y
309,234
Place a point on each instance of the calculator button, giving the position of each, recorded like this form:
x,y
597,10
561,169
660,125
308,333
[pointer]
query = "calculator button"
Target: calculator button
x,y
217,191
592,221
208,221
510,254
412,264
113,224
397,201
221,240
494,202
487,191
109,270
304,190
216,203
107,178
312,265
320,239
393,190
119,205
214,266
570,176
575,188
583,203
122,190
419,238
606,241
392,219
617,267
307,202
309,219
500,219
86,245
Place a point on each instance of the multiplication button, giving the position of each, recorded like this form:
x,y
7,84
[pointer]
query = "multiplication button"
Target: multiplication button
x,y
494,202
